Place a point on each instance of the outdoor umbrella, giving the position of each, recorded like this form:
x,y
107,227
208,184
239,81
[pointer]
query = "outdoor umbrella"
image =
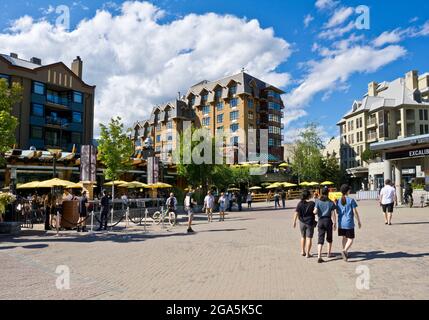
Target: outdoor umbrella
x,y
233,189
54,183
313,184
255,188
29,185
327,183
116,183
284,165
75,186
133,185
274,186
288,185
159,185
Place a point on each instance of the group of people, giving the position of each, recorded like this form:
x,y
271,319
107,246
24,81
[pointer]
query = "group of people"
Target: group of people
x,y
277,196
330,216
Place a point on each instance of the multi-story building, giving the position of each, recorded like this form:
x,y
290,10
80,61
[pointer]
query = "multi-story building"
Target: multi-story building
x,y
394,110
232,103
332,149
57,110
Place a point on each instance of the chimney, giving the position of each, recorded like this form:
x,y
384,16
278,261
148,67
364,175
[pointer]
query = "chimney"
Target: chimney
x,y
411,80
36,61
76,67
372,89
14,55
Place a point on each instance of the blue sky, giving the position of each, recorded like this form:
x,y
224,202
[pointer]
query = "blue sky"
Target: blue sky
x,y
301,58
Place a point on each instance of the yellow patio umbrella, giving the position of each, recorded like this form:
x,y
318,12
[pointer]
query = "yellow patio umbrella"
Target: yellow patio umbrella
x,y
284,165
159,185
313,184
116,183
75,186
327,183
274,186
289,185
233,189
266,165
54,183
304,184
134,185
255,188
29,185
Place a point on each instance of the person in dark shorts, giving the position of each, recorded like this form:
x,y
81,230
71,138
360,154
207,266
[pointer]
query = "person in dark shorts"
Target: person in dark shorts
x,y
104,202
325,210
83,212
388,200
305,213
347,212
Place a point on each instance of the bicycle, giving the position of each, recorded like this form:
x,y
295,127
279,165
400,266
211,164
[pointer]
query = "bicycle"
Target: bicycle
x,y
160,216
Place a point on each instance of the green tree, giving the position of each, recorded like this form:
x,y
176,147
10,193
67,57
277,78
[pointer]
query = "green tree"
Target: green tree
x,y
330,170
307,156
368,155
8,123
115,149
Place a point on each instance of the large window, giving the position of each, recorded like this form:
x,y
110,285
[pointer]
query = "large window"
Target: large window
x,y
206,121
424,129
192,101
204,97
206,109
234,115
38,87
273,118
169,125
233,103
218,94
57,97
37,110
274,106
274,95
219,106
158,138
158,127
250,103
423,115
234,140
232,90
274,130
220,118
36,132
77,117
76,138
77,97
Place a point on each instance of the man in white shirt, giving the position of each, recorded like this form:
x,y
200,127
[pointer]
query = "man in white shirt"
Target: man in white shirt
x,y
388,200
209,205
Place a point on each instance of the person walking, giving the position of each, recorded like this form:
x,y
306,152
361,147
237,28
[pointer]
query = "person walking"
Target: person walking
x,y
47,204
230,201
189,207
239,198
222,205
388,199
83,212
104,202
276,200
270,194
347,212
305,213
249,199
325,209
209,205
408,193
171,204
283,195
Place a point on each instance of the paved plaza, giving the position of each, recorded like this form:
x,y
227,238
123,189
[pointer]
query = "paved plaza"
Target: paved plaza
x,y
252,255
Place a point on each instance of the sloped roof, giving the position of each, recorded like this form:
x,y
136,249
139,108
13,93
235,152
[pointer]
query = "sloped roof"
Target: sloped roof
x,y
20,62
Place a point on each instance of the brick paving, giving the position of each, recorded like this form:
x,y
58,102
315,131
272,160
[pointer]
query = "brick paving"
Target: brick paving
x,y
252,255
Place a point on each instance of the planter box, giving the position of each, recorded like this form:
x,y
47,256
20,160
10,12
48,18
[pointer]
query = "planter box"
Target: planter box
x,y
10,227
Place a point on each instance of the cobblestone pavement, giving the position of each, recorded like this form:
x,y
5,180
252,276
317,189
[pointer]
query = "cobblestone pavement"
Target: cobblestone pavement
x,y
252,255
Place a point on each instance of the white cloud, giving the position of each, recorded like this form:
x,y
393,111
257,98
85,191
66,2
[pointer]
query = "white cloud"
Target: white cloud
x,y
137,61
339,17
332,72
307,20
326,4
386,37
333,33
50,9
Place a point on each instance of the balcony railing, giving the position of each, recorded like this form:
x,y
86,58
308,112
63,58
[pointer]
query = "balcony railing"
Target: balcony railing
x,y
57,100
55,121
372,122
371,136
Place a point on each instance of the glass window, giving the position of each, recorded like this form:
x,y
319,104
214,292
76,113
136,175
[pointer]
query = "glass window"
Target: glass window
x,y
37,110
274,95
158,127
38,87
170,138
219,106
192,101
36,132
233,103
271,142
234,127
232,90
76,138
77,97
169,125
204,97
274,106
234,140
234,115
158,138
251,116
206,121
218,94
250,103
220,118
77,117
206,109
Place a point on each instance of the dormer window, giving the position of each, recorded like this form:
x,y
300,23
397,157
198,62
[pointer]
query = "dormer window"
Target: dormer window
x,y
233,90
204,97
192,101
218,94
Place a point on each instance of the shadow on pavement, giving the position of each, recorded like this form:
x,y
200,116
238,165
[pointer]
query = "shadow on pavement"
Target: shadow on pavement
x,y
222,230
375,255
411,223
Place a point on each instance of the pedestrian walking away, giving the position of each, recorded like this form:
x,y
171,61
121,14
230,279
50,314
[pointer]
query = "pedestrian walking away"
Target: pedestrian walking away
x,y
189,204
249,199
276,200
222,205
104,202
325,210
388,199
283,195
347,212
83,212
305,213
209,206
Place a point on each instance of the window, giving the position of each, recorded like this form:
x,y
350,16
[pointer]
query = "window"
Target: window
x,y
218,94
158,149
234,140
232,90
233,103
274,95
250,103
206,121
76,138
423,115
219,106
271,142
424,129
158,138
77,117
158,127
170,138
251,115
169,125
220,118
192,101
274,130
38,88
274,106
273,118
57,97
206,109
36,132
204,97
234,115
220,129
37,110
234,127
77,97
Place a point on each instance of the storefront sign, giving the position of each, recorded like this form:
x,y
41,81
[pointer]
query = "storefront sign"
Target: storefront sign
x,y
416,153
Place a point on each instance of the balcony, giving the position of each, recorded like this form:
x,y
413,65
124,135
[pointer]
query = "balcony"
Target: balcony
x,y
372,136
372,122
57,122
